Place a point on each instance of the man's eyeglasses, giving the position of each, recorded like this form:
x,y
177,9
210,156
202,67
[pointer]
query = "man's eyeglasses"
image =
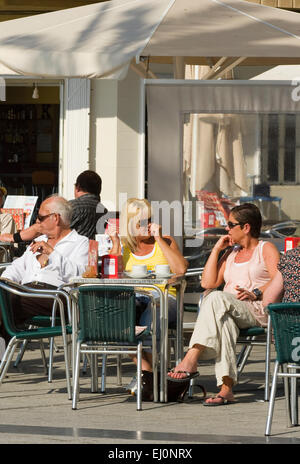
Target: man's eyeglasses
x,y
42,218
231,225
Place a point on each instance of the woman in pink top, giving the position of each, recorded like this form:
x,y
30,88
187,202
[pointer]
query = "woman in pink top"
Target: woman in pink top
x,y
246,268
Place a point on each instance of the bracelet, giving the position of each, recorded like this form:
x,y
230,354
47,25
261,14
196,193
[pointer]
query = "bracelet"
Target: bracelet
x,y
17,237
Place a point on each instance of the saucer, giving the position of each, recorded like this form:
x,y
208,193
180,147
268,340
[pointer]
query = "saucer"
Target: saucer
x,y
135,276
158,276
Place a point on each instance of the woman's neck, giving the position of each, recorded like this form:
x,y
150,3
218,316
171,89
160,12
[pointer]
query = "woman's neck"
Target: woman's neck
x,y
249,243
144,244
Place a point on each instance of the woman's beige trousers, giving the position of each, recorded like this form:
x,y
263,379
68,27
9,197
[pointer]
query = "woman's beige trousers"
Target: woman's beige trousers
x,y
217,328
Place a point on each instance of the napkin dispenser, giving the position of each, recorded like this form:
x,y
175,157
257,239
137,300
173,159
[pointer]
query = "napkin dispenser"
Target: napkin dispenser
x,y
290,243
112,266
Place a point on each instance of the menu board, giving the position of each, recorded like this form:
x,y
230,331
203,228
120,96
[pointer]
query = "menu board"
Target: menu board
x,y
22,202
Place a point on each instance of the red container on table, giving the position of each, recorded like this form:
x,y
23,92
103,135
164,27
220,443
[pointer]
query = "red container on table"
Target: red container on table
x,y
114,222
290,243
112,266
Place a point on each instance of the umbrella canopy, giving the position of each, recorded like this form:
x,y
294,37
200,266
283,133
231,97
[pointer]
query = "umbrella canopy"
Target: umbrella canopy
x,y
228,28
96,40
88,41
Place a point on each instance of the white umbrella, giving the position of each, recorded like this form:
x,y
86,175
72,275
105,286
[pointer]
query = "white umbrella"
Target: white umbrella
x,y
97,40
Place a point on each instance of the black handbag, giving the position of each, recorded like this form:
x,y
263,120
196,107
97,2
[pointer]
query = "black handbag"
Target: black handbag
x,y
176,390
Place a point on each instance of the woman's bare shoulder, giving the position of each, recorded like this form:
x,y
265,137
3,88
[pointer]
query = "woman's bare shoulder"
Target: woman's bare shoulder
x,y
270,249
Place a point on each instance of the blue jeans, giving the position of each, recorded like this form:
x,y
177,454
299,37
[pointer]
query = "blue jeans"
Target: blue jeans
x,y
146,316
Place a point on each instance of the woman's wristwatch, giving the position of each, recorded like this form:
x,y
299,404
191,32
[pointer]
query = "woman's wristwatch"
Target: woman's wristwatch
x,y
258,293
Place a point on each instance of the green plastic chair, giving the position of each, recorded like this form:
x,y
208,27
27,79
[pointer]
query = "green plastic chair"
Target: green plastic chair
x,y
107,320
46,321
285,318
37,333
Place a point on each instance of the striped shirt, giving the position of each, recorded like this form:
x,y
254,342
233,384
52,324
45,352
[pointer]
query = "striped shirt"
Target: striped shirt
x,y
86,213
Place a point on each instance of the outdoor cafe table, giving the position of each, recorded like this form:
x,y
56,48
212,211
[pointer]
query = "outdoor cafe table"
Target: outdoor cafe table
x,y
177,281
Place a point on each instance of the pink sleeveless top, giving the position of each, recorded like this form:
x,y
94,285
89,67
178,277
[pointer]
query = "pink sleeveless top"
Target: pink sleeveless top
x,y
249,275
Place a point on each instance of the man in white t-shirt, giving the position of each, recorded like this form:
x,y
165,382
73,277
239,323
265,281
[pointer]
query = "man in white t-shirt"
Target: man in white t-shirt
x,y
58,254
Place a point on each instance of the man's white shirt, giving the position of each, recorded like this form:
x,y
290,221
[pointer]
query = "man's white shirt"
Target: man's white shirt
x,y
68,259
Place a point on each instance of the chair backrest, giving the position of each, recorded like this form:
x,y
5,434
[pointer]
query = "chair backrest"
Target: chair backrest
x,y
107,313
285,318
6,310
43,178
43,185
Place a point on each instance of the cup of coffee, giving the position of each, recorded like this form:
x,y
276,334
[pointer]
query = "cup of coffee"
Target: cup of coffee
x,y
139,270
162,270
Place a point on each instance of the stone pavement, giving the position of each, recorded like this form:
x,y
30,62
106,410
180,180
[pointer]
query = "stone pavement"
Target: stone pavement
x,y
35,411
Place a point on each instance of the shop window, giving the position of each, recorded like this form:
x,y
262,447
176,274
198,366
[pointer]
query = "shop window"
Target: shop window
x,y
29,136
280,148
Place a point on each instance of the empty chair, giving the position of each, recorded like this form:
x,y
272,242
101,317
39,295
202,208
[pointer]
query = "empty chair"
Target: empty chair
x,y
107,325
285,318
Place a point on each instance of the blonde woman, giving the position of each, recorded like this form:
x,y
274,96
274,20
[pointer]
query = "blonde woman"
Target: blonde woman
x,y
141,242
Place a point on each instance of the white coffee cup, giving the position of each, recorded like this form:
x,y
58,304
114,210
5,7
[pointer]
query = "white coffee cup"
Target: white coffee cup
x,y
139,270
162,269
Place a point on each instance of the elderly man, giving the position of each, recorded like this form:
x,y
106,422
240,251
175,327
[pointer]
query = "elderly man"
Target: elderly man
x,y
51,260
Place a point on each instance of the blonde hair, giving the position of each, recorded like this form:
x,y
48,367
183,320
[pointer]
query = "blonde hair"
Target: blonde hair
x,y
133,210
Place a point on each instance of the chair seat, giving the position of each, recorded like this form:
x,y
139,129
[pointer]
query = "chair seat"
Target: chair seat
x,y
139,337
191,307
41,332
252,331
43,321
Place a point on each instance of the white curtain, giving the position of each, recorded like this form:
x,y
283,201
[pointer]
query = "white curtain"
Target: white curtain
x,y
213,150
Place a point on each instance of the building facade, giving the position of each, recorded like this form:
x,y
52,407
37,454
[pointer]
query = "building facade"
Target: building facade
x,y
99,124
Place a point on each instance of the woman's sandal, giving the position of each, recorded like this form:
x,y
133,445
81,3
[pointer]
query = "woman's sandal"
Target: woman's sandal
x,y
218,400
187,376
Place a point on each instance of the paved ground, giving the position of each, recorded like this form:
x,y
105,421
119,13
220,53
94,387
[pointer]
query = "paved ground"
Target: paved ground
x,y
34,411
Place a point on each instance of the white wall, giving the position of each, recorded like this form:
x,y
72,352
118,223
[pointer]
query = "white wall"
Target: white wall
x,y
114,148
129,159
290,204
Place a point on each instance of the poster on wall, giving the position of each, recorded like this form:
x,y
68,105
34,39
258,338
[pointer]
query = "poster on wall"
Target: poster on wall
x,y
21,202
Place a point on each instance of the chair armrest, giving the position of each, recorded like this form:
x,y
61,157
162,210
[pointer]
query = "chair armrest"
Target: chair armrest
x,y
194,271
22,290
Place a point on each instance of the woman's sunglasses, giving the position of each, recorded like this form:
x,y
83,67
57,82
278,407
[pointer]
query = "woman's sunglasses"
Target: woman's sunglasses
x,y
231,225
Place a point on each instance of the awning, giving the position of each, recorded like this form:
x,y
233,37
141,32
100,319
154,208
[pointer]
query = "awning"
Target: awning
x,y
99,39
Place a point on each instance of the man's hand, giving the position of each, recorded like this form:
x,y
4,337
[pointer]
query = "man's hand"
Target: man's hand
x,y
41,247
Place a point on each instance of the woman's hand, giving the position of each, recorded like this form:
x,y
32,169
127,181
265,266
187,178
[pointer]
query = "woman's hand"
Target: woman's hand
x,y
112,232
223,242
244,294
155,230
